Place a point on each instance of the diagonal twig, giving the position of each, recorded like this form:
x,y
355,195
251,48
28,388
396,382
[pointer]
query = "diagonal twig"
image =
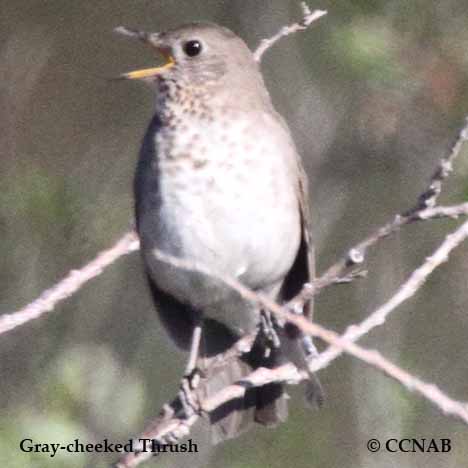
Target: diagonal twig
x,y
308,18
424,209
74,280
428,198
177,425
128,242
405,291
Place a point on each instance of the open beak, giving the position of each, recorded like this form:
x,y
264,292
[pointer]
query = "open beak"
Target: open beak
x,y
147,72
154,41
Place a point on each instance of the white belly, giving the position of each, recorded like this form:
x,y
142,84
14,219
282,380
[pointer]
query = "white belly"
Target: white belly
x,y
234,209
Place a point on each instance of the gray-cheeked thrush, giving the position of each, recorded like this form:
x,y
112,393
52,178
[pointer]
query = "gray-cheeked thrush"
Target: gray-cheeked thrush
x,y
219,183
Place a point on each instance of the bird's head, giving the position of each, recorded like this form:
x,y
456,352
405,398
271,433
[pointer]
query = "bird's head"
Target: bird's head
x,y
200,56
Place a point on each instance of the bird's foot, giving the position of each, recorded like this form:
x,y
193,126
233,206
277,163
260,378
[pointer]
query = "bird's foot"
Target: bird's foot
x,y
268,329
310,351
187,394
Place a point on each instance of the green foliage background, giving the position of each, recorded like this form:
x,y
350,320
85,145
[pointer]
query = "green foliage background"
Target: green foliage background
x,y
373,93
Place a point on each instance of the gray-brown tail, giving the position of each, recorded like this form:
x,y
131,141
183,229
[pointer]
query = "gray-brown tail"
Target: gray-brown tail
x,y
265,405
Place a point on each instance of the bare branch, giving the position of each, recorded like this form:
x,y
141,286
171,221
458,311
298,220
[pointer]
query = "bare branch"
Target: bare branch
x,y
345,343
337,273
177,424
405,291
129,242
424,209
454,212
378,317
428,198
75,279
172,424
287,373
431,392
307,19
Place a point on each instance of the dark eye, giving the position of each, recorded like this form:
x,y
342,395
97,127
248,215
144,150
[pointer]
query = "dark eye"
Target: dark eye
x,y
192,48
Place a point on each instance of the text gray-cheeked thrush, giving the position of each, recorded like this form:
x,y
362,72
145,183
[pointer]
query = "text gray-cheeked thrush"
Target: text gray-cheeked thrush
x,y
219,183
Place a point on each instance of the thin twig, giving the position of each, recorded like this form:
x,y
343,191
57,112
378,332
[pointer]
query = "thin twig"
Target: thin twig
x,y
355,256
454,212
428,198
47,301
173,425
405,291
74,280
345,343
431,392
179,424
176,425
424,209
307,19
128,243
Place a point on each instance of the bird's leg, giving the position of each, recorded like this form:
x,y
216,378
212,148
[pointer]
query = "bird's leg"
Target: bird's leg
x,y
308,347
267,328
194,351
314,392
191,377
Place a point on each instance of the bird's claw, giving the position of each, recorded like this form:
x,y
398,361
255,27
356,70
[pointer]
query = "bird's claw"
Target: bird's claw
x,y
187,396
267,328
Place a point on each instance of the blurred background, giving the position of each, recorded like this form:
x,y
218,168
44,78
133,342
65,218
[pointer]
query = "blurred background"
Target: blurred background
x,y
374,93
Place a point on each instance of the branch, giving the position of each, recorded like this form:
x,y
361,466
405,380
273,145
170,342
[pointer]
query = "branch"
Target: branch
x,y
171,426
174,424
345,342
128,243
405,291
424,209
307,19
336,274
355,256
65,288
454,212
428,198
47,301
431,392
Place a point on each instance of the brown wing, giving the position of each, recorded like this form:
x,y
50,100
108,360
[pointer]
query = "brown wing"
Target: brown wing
x,y
303,269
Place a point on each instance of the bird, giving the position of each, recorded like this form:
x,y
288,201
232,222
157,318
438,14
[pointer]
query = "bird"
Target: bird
x,y
219,183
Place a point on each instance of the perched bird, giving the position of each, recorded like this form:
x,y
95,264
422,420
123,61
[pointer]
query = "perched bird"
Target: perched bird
x,y
219,183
